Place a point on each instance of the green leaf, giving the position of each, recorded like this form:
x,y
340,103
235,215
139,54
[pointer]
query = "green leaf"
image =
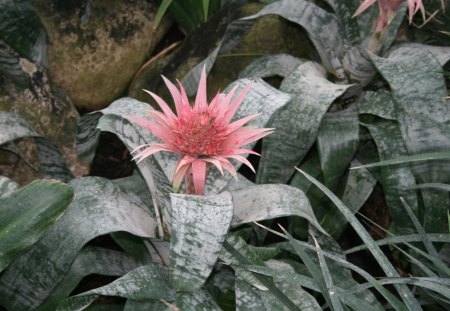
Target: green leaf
x,y
236,253
148,282
405,293
271,65
379,103
162,9
90,260
22,29
445,155
99,207
262,202
337,138
7,186
358,187
348,25
154,169
199,226
296,124
53,165
26,215
394,179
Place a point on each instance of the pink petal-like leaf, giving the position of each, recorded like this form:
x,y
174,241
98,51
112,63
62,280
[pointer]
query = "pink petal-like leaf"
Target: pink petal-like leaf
x,y
149,151
176,95
185,160
239,123
236,103
199,175
159,131
178,177
216,163
171,117
201,103
363,6
243,160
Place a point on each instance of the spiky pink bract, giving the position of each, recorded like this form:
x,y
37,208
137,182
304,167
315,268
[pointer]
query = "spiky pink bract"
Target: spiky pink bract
x,y
202,134
388,10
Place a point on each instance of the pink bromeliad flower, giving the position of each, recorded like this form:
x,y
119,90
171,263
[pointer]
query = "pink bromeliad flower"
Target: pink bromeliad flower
x,y
202,134
388,10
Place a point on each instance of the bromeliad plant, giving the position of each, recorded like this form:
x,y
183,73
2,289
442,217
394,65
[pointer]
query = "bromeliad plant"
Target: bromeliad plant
x,y
334,118
202,134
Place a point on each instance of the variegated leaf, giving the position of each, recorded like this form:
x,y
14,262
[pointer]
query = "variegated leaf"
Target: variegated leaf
x,y
26,214
99,208
199,226
296,124
7,186
262,202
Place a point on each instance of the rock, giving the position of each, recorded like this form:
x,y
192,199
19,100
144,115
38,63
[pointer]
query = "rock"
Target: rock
x,y
268,35
51,114
96,46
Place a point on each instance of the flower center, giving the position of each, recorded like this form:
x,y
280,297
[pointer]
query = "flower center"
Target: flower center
x,y
199,135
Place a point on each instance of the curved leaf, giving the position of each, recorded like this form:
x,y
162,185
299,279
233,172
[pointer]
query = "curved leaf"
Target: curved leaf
x,y
90,260
27,213
272,65
296,124
148,282
337,138
99,208
405,293
262,202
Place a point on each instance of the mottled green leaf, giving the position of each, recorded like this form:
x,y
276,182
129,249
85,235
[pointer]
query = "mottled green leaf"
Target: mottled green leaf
x,y
90,260
155,169
379,103
262,202
296,124
272,65
148,282
199,226
337,138
99,208
27,213
394,179
424,127
358,187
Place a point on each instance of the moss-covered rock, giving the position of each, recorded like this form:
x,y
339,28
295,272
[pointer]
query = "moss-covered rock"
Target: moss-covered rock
x,y
95,47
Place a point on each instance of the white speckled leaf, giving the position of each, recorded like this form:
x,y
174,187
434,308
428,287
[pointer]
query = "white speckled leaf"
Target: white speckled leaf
x,y
90,260
99,208
418,87
7,186
155,169
199,226
52,164
441,53
148,282
262,202
271,65
26,214
296,124
378,103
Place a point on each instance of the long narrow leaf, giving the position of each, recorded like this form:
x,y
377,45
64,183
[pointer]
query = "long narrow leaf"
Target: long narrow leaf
x,y
406,295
